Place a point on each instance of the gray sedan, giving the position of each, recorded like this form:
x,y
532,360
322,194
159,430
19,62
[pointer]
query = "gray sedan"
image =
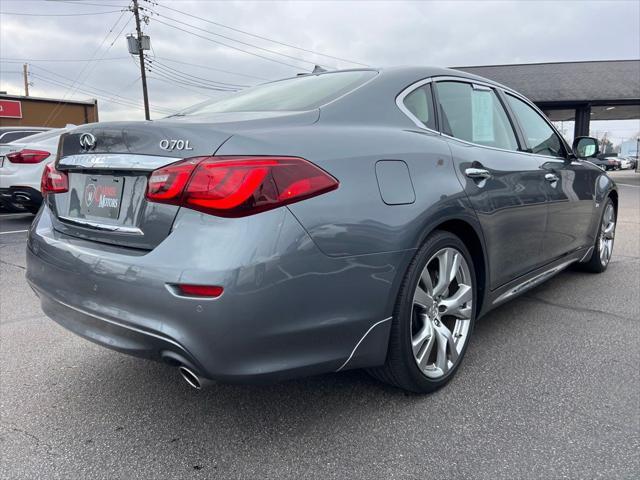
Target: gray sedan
x,y
351,219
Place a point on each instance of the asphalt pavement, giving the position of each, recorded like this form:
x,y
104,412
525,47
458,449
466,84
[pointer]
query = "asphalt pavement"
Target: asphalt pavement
x,y
549,389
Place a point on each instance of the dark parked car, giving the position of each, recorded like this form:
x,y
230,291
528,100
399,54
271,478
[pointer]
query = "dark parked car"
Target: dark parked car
x,y
351,219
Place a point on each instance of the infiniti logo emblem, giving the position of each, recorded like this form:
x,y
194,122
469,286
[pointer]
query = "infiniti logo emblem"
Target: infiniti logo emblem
x,y
87,141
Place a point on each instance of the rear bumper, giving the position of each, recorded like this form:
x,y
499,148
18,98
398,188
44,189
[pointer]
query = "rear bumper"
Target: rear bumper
x,y
116,335
287,310
21,197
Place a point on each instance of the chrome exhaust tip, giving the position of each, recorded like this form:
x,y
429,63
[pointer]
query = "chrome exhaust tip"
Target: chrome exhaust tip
x,y
190,377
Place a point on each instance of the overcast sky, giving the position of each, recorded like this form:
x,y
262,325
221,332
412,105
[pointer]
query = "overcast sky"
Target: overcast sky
x,y
453,33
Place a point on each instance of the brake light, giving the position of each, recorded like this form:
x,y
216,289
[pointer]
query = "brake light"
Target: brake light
x,y
53,181
28,156
237,186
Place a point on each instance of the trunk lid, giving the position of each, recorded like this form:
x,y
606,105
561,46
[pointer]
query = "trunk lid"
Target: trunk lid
x,y
109,164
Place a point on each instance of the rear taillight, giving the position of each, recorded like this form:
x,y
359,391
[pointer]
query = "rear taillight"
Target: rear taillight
x,y
237,186
53,181
28,156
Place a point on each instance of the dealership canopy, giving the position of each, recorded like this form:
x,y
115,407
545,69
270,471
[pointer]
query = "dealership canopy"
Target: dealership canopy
x,y
580,91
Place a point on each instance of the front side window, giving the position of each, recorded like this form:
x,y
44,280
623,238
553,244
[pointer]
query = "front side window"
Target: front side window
x,y
474,113
306,92
541,138
420,104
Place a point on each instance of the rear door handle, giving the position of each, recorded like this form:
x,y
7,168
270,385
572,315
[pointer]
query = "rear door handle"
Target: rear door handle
x,y
480,173
551,177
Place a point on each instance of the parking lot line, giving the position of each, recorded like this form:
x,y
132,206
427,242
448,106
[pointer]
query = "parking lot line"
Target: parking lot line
x,y
13,231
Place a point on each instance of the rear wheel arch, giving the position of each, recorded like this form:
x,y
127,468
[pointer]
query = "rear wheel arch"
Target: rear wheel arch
x,y
472,240
613,194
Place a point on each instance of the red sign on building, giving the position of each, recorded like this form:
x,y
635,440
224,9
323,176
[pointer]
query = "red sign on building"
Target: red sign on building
x,y
10,109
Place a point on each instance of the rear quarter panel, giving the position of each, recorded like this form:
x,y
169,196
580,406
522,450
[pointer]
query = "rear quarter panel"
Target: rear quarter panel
x,y
354,219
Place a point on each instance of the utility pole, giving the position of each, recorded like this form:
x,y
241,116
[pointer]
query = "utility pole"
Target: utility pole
x,y
25,75
143,74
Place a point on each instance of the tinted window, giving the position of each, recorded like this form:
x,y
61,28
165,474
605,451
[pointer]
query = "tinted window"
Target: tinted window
x,y
420,104
11,136
540,137
295,94
474,114
44,136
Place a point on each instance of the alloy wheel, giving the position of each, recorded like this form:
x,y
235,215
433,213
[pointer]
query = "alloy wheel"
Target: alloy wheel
x,y
441,314
607,232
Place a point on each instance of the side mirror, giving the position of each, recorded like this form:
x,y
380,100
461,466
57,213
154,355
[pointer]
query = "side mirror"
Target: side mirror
x,y
585,147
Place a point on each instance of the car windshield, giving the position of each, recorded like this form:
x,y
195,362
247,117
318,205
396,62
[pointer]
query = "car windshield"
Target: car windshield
x,y
294,94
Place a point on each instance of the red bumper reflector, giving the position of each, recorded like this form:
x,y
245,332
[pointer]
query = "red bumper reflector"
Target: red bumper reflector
x,y
209,291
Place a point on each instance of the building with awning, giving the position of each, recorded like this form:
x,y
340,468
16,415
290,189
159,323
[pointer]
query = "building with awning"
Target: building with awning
x,y
574,91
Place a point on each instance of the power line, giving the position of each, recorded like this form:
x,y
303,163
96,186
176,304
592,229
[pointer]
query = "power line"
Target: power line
x,y
176,83
56,111
154,60
273,52
119,101
28,60
206,67
171,76
85,4
296,67
58,14
107,92
181,87
258,36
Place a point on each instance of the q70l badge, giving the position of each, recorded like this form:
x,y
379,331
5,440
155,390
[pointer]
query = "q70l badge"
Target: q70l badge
x,y
171,145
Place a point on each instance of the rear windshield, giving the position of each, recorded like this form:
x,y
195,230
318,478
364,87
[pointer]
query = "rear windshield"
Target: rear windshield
x,y
294,94
42,137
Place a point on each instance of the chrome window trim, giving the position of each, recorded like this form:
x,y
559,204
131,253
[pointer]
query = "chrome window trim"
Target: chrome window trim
x,y
544,118
471,81
400,104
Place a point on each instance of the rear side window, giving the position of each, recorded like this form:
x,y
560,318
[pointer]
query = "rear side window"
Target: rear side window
x,y
475,114
541,138
306,92
420,104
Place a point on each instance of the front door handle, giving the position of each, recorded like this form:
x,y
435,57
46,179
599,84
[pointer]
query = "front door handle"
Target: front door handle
x,y
551,177
479,173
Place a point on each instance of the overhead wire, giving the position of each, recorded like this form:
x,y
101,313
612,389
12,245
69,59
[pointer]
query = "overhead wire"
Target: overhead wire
x,y
88,87
155,62
273,52
28,60
257,36
58,14
56,111
214,69
295,67
111,99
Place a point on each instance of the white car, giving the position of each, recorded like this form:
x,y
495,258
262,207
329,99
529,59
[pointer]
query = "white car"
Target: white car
x,y
21,165
625,163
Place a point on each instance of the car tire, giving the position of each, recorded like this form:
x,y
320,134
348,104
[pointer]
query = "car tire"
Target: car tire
x,y
603,246
419,367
